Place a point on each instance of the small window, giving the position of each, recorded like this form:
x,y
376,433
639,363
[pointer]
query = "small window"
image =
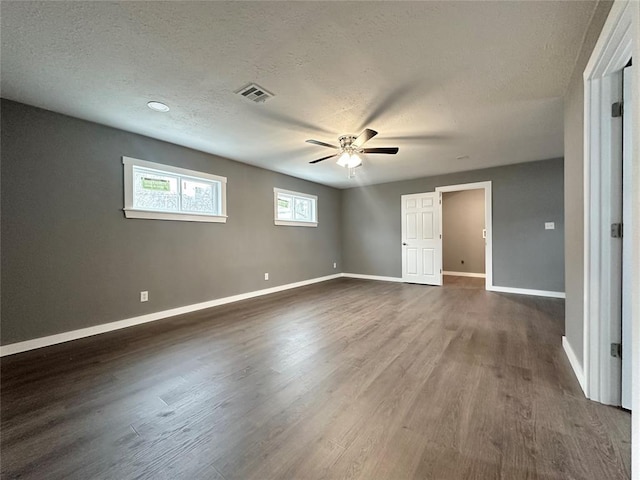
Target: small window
x,y
163,192
295,209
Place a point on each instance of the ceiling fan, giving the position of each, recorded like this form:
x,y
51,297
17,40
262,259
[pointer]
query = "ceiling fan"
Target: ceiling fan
x,y
350,150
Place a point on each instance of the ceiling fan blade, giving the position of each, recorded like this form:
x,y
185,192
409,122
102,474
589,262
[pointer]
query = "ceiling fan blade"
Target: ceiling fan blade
x,y
324,158
322,144
420,138
394,100
271,116
389,150
364,137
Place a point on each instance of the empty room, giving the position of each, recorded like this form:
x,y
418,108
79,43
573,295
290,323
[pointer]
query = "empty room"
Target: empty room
x,y
304,240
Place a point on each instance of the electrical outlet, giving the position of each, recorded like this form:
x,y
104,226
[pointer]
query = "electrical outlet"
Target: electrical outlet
x,y
144,296
335,265
549,225
266,276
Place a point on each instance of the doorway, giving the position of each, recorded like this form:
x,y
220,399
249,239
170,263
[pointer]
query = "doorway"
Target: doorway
x,y
486,243
463,233
421,215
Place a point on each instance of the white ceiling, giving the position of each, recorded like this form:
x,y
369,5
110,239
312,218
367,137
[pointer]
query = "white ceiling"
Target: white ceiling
x,y
437,79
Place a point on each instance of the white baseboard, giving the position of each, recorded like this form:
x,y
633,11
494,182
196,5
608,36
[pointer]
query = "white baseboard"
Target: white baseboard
x,y
35,343
372,277
527,291
575,364
465,274
19,347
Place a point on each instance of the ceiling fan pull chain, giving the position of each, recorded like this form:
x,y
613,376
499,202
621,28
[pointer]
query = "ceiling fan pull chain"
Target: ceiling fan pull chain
x,y
352,172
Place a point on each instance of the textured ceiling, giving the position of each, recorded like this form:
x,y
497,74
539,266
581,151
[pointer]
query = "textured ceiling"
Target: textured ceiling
x,y
438,79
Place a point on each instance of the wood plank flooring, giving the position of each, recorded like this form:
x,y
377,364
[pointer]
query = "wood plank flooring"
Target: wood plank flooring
x,y
344,379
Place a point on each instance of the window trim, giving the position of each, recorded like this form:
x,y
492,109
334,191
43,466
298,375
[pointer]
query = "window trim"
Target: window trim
x,y
131,212
294,223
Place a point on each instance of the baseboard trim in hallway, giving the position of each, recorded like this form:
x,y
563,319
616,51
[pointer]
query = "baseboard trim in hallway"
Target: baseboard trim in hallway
x,y
465,274
575,364
527,291
49,340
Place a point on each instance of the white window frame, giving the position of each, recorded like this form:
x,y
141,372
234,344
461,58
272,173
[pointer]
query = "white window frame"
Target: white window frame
x,y
131,212
294,223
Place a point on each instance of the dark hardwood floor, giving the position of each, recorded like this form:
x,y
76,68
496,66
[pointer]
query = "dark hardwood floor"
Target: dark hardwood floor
x,y
343,379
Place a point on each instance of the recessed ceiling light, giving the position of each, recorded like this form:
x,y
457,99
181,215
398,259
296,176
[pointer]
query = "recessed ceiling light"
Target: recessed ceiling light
x,y
158,106
463,157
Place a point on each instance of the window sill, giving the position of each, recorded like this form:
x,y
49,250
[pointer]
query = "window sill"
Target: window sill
x,y
290,223
182,217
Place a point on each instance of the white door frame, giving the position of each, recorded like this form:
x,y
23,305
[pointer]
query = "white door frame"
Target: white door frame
x,y
488,250
618,42
627,245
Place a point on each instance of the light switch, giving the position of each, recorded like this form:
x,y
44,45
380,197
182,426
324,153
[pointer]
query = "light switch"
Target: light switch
x,y
549,226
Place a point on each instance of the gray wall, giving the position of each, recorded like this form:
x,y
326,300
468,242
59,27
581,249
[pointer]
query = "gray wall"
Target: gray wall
x,y
462,225
573,186
71,260
525,196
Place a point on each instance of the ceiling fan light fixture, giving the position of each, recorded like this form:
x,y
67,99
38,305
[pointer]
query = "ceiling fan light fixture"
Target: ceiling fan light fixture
x,y
344,159
354,161
349,160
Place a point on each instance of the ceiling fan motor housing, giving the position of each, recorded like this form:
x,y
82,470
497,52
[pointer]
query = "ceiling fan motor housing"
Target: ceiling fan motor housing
x,y
346,143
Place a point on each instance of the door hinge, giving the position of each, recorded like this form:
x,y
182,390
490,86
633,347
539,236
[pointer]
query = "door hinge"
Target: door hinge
x,y
617,109
616,350
616,230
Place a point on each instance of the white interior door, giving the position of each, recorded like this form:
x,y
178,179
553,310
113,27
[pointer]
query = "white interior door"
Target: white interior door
x,y
626,237
421,239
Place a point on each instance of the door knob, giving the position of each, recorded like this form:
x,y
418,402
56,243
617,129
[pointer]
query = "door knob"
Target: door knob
x,y
404,243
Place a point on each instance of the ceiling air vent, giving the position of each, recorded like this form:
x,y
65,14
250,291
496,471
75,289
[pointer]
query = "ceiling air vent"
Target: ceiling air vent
x,y
255,93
